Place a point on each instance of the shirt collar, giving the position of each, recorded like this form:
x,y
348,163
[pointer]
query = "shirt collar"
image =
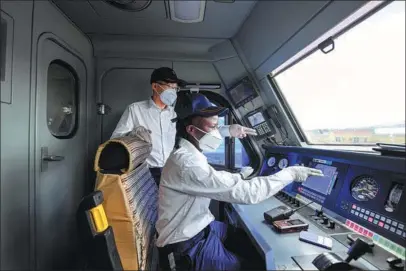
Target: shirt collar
x,y
183,143
152,104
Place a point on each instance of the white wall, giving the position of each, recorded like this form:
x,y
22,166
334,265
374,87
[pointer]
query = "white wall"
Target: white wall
x,y
15,143
18,124
193,59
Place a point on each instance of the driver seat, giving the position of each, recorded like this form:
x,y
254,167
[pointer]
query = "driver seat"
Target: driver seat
x,y
130,197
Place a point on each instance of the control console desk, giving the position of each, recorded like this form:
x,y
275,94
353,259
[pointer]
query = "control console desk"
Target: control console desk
x,y
360,199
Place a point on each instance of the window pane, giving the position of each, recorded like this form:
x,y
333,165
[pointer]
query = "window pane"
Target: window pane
x,y
238,154
61,101
356,93
218,157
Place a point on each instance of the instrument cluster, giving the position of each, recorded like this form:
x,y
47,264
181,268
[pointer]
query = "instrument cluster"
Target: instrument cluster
x,y
276,161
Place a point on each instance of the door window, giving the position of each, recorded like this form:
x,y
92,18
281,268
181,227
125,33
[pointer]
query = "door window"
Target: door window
x,y
62,102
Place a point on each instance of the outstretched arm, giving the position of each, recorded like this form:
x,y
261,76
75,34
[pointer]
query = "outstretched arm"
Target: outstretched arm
x,y
236,130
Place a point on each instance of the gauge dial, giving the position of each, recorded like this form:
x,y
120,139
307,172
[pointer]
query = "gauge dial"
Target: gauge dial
x,y
364,188
271,162
283,163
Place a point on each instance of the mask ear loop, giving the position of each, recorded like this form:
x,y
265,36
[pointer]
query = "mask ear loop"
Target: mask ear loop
x,y
200,130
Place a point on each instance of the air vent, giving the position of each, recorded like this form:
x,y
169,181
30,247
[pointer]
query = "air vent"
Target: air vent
x,y
130,5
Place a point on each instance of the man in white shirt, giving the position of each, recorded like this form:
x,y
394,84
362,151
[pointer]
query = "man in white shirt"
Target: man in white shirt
x,y
188,236
156,114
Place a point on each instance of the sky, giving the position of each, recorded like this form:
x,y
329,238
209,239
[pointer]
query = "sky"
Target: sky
x,y
360,83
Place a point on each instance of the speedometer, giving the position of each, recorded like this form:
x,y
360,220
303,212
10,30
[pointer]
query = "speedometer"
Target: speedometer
x,y
364,188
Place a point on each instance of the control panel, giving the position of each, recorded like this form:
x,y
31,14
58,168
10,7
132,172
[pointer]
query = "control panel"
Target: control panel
x,y
360,196
316,216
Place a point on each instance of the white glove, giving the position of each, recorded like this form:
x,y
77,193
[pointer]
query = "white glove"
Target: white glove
x,y
246,171
300,174
239,131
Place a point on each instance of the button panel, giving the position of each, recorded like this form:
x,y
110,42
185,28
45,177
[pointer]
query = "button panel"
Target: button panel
x,y
262,128
386,223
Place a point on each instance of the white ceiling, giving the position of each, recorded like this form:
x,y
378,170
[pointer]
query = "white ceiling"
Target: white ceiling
x,y
222,20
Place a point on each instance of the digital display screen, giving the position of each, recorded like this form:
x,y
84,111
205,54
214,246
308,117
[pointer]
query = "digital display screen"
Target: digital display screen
x,y
323,184
256,119
294,222
242,92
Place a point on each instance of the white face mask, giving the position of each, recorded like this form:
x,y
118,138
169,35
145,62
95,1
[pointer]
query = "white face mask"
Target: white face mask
x,y
168,96
210,141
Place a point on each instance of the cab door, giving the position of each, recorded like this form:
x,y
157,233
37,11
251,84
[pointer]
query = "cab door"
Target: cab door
x,y
60,149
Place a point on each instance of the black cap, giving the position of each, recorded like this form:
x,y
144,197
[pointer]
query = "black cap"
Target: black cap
x,y
165,74
196,104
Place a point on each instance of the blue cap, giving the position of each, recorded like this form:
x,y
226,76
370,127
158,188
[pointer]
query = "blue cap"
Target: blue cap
x,y
197,104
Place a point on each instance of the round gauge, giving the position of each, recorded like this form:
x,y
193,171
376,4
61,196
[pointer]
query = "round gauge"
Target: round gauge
x,y
271,162
364,188
283,163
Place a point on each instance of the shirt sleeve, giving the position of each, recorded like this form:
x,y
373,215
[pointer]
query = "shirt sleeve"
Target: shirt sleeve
x,y
125,125
205,181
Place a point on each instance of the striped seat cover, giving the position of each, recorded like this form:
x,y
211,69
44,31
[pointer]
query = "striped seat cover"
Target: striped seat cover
x,y
130,200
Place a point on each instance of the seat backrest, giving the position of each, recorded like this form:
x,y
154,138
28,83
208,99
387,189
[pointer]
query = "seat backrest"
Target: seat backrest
x,y
130,197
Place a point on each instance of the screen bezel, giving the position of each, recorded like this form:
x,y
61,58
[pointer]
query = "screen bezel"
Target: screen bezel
x,y
246,99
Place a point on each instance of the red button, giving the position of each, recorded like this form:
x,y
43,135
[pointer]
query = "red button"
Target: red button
x,y
370,234
356,227
365,232
370,219
354,206
380,224
352,225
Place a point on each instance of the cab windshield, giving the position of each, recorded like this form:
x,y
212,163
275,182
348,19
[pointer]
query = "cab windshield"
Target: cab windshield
x,y
354,94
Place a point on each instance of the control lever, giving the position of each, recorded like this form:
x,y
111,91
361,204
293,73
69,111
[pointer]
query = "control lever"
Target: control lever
x,y
319,213
330,261
359,248
281,213
352,237
395,263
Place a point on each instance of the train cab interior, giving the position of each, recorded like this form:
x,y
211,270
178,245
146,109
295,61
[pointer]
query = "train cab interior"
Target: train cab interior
x,y
321,82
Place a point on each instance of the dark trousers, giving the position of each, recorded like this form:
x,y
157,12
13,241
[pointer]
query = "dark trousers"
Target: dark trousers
x,y
217,247
156,174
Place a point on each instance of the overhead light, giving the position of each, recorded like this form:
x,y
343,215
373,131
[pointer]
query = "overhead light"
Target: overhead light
x,y
130,5
185,11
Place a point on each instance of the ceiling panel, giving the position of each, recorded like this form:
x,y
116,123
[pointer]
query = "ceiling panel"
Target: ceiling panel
x,y
222,20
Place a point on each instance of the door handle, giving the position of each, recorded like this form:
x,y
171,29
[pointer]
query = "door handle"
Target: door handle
x,y
53,158
45,158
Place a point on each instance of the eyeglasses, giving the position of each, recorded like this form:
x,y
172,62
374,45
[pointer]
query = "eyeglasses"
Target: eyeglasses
x,y
169,86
